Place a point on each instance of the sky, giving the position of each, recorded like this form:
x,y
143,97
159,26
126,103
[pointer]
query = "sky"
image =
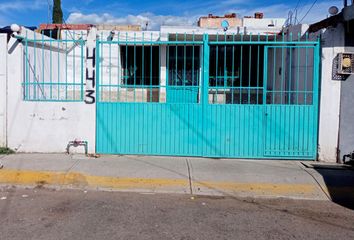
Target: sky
x,y
156,12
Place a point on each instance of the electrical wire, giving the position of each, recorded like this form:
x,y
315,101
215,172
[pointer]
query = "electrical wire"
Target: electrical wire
x,y
297,5
295,10
308,11
72,37
291,14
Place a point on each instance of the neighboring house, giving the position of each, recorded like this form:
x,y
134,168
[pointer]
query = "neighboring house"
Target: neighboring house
x,y
230,87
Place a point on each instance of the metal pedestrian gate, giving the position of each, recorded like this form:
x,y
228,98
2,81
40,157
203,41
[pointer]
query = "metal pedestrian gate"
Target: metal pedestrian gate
x,y
230,96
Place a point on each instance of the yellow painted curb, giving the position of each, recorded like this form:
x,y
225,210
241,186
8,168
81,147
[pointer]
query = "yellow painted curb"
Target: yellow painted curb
x,y
29,177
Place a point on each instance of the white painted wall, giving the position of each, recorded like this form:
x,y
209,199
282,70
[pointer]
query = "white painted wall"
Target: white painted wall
x,y
43,126
3,88
333,43
250,25
270,25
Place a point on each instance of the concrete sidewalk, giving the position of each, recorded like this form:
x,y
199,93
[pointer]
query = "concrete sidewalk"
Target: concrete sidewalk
x,y
196,176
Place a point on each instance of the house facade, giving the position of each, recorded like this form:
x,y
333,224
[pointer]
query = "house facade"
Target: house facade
x,y
246,88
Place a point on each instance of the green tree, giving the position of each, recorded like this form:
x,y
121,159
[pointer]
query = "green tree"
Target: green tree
x,y
57,12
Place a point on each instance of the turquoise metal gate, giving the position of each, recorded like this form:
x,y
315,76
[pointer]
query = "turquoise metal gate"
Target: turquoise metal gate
x,y
232,96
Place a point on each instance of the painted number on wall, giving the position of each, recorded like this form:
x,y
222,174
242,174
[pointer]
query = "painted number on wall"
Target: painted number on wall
x,y
90,97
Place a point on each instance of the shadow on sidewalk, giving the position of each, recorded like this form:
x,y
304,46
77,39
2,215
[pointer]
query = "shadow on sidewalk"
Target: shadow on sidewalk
x,y
339,184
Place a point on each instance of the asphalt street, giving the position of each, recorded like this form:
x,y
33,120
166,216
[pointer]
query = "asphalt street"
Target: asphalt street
x,y
42,213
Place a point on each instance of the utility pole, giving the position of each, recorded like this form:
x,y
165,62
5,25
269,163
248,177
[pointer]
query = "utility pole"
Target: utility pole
x,y
57,12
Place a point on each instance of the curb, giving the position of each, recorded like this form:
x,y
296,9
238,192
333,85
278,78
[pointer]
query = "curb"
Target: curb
x,y
159,185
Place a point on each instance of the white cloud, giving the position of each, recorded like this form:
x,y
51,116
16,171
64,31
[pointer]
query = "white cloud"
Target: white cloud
x,y
154,21
318,12
19,5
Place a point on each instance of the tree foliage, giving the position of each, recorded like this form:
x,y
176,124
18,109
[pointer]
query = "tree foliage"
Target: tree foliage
x,y
57,12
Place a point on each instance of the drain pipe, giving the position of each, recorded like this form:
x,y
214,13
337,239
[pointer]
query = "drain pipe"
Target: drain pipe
x,y
77,143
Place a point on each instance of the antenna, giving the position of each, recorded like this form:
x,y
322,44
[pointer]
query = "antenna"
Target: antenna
x,y
333,10
289,20
295,17
146,26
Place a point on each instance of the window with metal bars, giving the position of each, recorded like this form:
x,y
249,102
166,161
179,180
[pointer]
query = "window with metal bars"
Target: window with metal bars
x,y
236,74
53,69
183,74
140,65
290,75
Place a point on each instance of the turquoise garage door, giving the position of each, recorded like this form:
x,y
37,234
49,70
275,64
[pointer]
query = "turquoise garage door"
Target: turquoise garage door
x,y
230,96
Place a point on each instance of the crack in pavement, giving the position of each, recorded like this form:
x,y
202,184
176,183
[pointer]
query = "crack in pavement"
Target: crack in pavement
x,y
189,177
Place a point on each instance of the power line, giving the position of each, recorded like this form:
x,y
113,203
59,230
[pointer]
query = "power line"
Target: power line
x,y
292,15
295,10
297,5
313,4
71,35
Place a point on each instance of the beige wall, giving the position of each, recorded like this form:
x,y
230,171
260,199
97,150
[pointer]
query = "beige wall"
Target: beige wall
x,y
216,22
